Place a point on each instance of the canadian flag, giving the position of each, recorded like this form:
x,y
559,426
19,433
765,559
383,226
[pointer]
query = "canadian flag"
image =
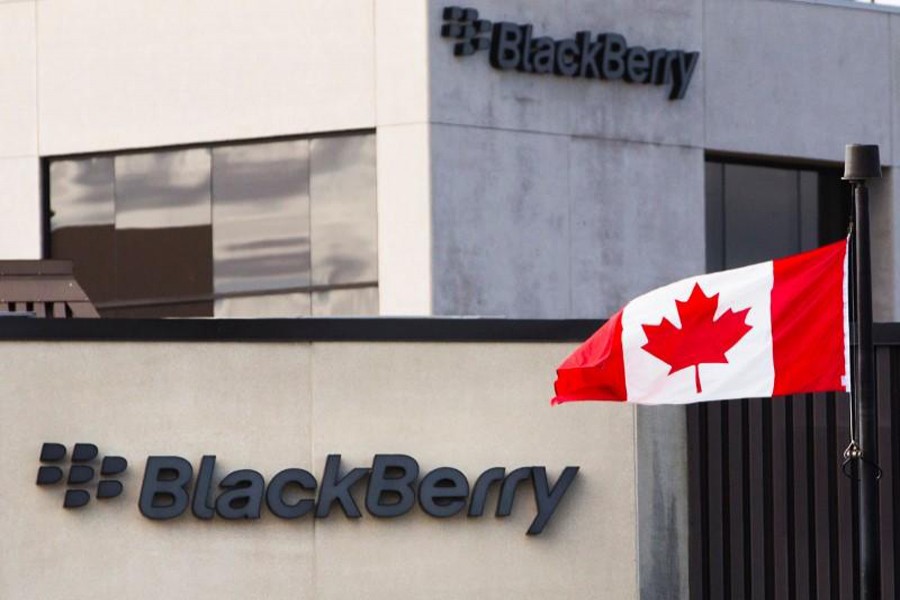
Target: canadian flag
x,y
774,328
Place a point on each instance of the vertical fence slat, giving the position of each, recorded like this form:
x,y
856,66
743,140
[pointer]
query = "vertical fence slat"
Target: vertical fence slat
x,y
803,554
716,475
757,499
737,492
822,447
883,377
771,514
780,558
846,534
895,458
696,506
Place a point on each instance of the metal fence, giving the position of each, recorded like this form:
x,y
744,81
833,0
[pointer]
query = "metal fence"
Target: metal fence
x,y
771,513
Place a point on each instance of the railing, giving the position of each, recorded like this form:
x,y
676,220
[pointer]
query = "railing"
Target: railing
x,y
43,289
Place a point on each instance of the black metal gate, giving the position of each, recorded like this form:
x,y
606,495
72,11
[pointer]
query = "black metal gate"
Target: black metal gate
x,y
771,514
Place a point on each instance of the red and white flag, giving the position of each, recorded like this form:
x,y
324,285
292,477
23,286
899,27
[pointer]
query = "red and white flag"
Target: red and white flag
x,y
775,328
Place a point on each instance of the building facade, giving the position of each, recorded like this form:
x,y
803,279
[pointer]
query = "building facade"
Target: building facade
x,y
293,158
477,190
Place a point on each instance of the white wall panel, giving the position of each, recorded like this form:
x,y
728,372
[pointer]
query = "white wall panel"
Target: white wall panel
x,y
246,404
444,405
402,37
18,80
404,220
20,208
273,406
130,73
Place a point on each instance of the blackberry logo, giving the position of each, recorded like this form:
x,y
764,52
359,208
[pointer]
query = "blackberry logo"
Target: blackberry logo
x,y
464,25
604,56
81,472
393,487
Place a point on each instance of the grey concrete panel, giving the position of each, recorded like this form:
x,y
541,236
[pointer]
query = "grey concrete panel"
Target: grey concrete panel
x,y
247,403
795,79
637,214
500,214
662,480
642,112
884,219
444,405
469,91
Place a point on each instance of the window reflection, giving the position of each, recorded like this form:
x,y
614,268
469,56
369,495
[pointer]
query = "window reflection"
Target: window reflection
x,y
344,218
157,190
264,306
261,216
82,222
353,301
82,193
242,230
163,225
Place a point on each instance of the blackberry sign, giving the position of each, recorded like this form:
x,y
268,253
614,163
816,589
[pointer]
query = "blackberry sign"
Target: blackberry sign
x,y
393,487
602,56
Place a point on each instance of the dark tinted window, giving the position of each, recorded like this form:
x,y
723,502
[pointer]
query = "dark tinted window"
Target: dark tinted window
x,y
758,212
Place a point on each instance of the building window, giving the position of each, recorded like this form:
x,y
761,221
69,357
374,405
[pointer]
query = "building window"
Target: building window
x,y
758,212
280,228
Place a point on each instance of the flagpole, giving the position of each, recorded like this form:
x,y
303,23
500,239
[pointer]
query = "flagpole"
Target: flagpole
x,y
861,163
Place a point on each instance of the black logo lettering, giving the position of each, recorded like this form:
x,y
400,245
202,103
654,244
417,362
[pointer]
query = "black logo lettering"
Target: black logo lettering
x,y
444,492
164,491
243,495
275,494
81,472
463,24
506,46
393,477
606,56
612,64
392,491
337,489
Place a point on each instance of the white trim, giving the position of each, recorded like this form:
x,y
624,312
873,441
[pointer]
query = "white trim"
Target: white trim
x,y
847,380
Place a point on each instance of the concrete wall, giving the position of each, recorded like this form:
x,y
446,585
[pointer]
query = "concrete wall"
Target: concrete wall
x,y
272,406
566,181
579,195
797,79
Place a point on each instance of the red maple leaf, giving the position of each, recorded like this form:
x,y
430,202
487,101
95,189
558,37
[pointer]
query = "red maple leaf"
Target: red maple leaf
x,y
700,339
